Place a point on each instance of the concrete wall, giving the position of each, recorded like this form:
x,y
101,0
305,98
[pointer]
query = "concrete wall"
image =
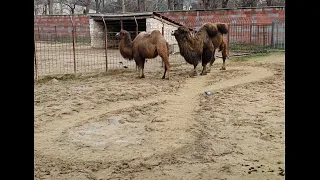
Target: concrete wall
x,y
97,34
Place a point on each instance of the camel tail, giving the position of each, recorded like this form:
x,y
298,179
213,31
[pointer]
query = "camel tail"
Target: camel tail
x,y
222,28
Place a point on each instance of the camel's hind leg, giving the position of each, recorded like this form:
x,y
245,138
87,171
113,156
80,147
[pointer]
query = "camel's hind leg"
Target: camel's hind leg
x,y
204,69
164,54
164,74
142,68
224,56
212,60
223,49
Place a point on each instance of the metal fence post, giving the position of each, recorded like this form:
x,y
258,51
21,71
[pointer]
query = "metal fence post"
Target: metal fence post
x,y
121,23
73,47
55,32
272,36
264,37
277,36
38,33
137,26
106,42
250,37
228,43
137,32
162,32
35,57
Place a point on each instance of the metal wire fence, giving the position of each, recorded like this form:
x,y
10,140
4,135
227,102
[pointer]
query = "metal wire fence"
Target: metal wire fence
x,y
78,51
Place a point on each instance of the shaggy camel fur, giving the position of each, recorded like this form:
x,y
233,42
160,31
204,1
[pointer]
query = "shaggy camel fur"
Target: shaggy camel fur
x,y
144,46
201,46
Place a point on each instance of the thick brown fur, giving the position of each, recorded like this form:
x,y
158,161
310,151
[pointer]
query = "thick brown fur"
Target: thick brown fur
x,y
144,46
201,46
218,42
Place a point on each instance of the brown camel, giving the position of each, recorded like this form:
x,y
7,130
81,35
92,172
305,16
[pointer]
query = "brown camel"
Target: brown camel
x,y
145,45
201,46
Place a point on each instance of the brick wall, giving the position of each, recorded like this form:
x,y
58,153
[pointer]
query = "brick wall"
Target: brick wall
x,y
61,24
253,15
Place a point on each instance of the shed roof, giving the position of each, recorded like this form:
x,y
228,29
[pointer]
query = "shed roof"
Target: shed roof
x,y
131,16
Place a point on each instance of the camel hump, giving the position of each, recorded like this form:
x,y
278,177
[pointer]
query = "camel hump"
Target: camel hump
x,y
155,32
222,28
210,28
214,28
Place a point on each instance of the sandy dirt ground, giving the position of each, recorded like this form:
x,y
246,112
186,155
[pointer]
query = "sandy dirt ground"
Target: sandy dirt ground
x,y
121,127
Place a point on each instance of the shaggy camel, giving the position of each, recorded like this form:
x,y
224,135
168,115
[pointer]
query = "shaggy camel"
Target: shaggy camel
x,y
202,45
145,45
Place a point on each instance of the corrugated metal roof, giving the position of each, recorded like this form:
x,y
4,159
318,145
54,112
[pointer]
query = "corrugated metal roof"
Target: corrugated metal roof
x,y
124,16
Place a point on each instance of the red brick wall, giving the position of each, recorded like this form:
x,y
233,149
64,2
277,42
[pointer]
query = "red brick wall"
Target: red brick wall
x,y
61,24
246,15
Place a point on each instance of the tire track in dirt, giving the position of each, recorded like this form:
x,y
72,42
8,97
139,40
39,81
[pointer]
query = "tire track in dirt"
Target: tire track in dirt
x,y
179,110
172,131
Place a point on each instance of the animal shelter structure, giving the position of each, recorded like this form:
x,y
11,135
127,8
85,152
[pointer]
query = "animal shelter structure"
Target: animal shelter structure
x,y
110,24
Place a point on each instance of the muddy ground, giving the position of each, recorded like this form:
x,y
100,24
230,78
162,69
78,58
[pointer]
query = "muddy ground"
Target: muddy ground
x,y
121,127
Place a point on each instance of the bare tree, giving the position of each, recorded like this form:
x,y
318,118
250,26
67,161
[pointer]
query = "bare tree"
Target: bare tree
x,y
71,4
178,4
50,6
97,5
141,5
170,5
248,3
275,2
209,4
37,6
225,3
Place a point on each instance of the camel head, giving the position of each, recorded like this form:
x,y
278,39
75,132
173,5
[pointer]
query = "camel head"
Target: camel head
x,y
181,32
123,34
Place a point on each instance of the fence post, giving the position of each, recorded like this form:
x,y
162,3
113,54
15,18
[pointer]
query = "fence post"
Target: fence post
x,y
73,47
264,37
137,26
121,23
272,31
228,43
284,36
162,32
137,32
277,34
250,36
35,57
55,31
38,33
106,42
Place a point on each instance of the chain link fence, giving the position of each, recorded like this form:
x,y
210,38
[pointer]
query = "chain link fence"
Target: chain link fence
x,y
77,51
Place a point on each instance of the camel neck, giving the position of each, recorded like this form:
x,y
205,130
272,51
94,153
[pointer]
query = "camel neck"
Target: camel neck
x,y
127,42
